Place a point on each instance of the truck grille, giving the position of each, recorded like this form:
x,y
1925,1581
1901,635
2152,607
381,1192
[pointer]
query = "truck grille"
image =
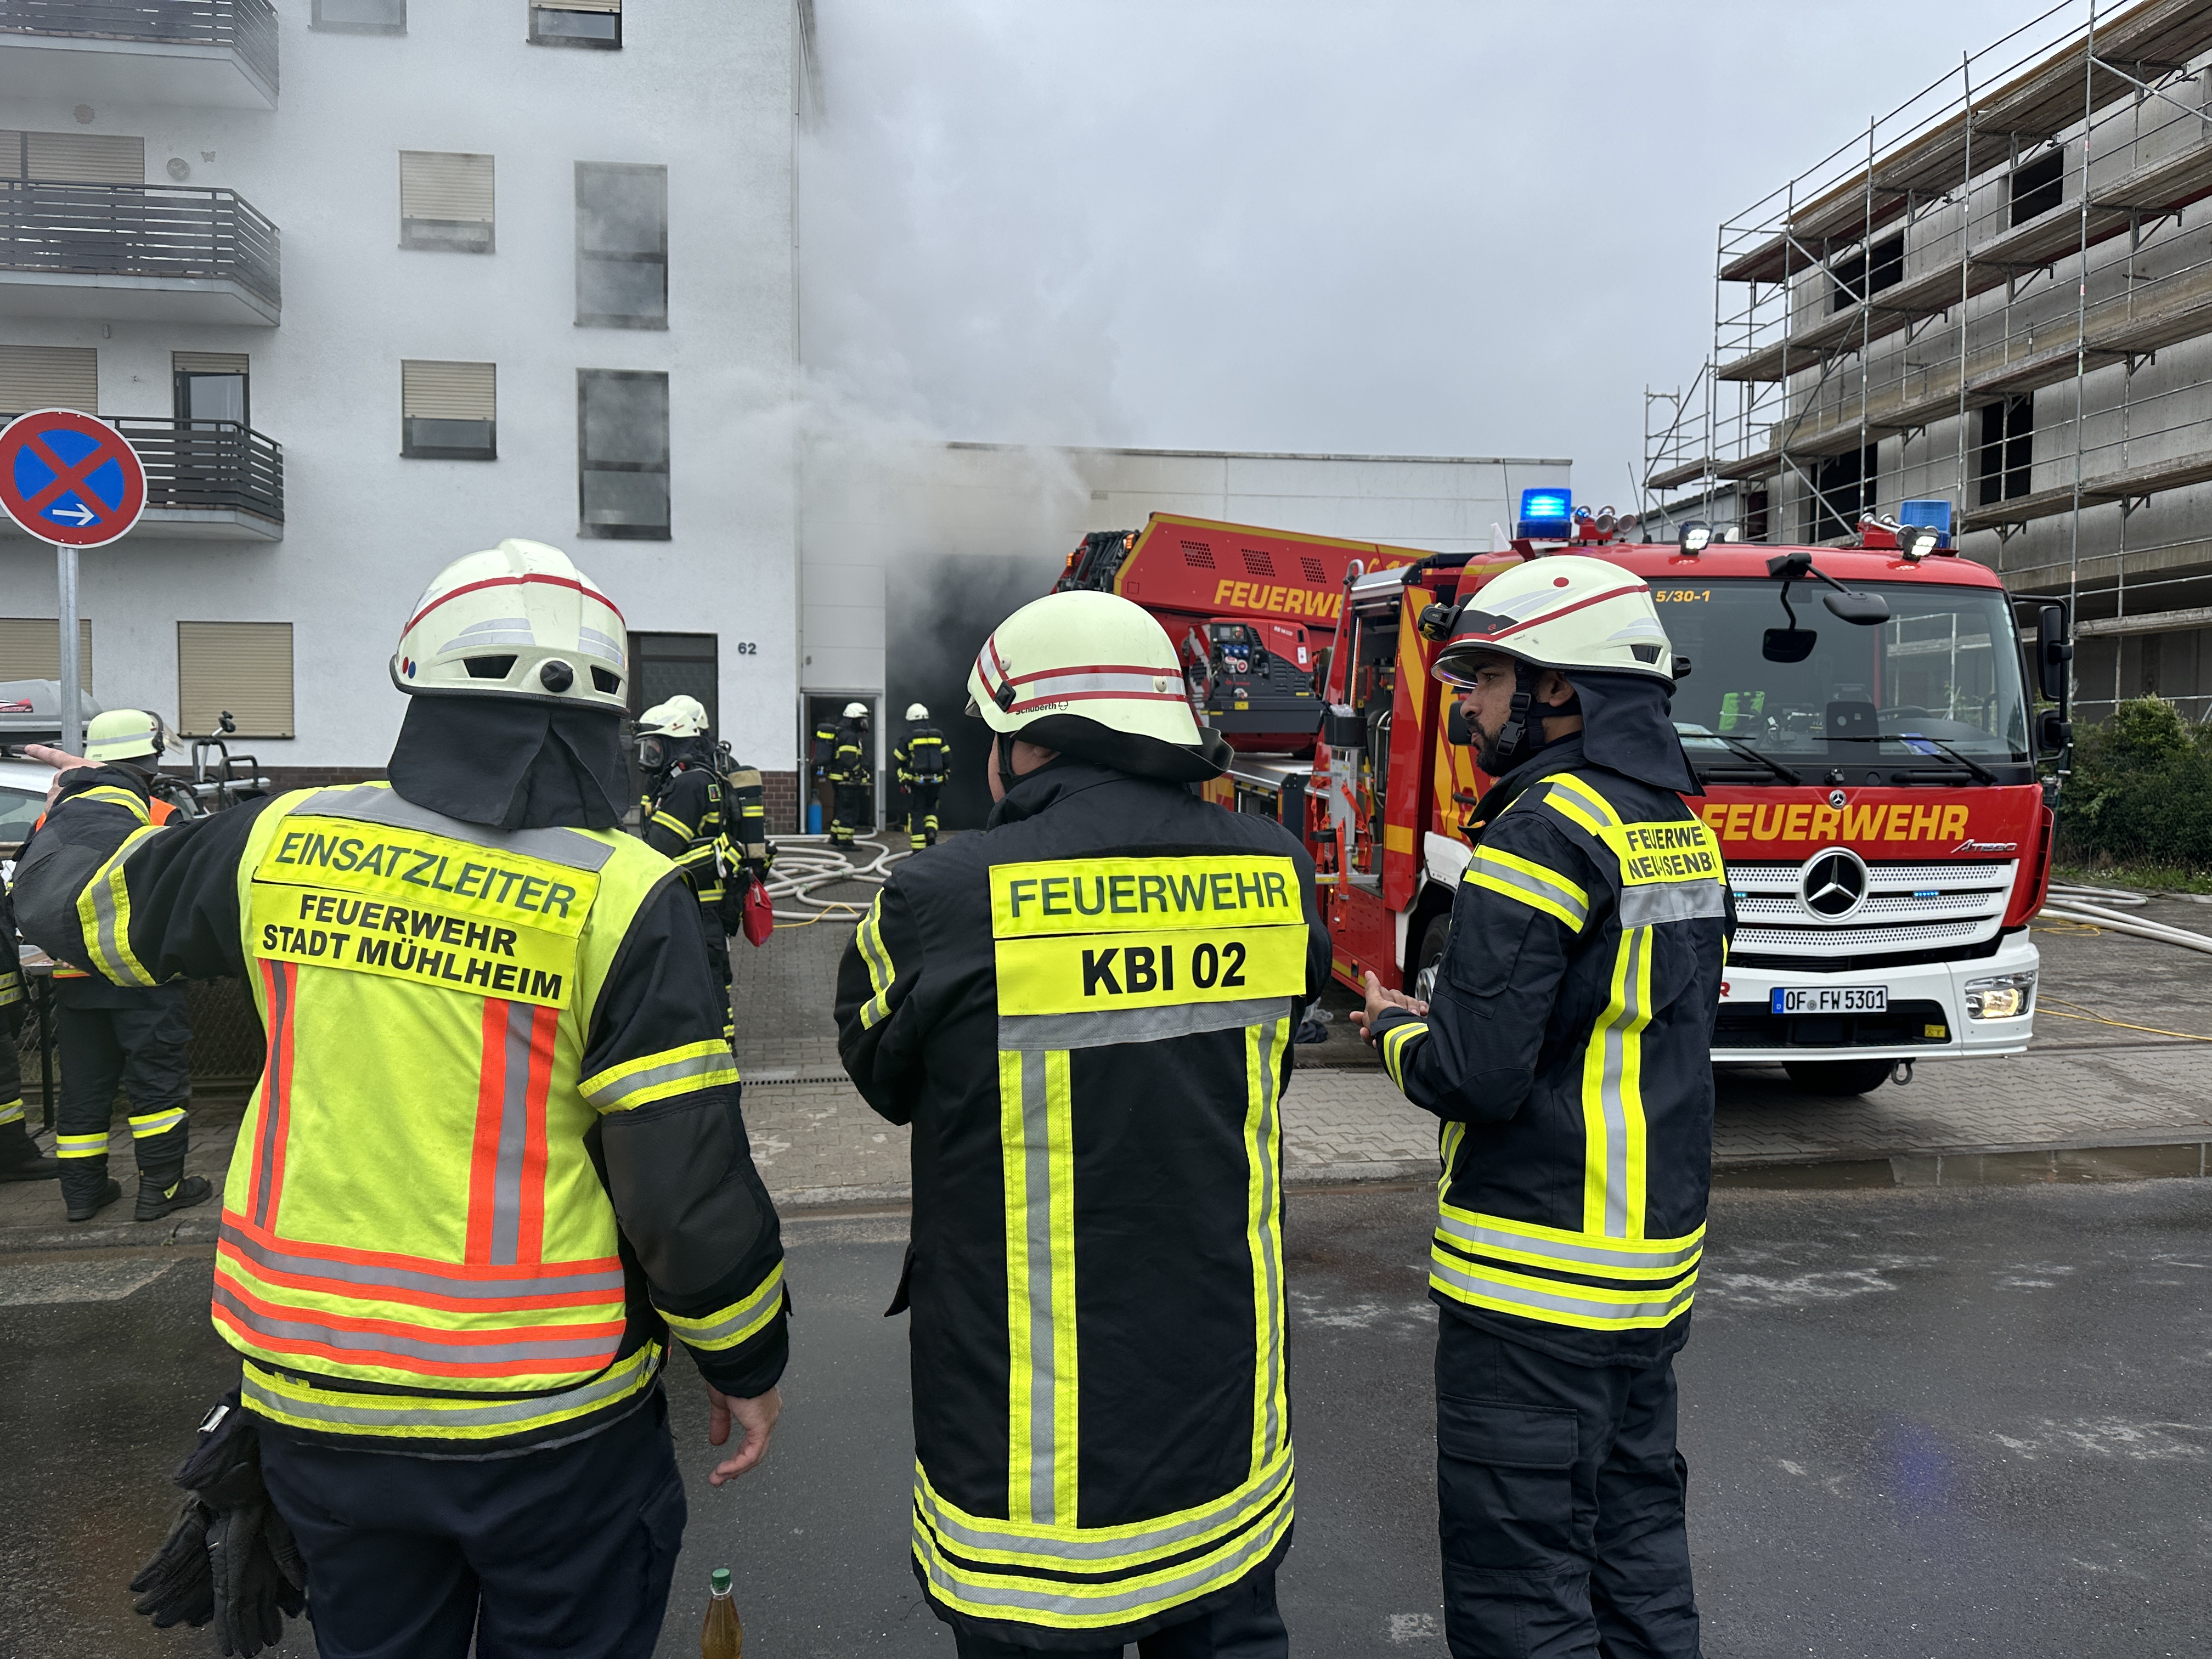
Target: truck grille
x,y
1909,907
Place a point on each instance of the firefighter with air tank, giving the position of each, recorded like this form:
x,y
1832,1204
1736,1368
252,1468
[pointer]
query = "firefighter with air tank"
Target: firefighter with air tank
x,y
1565,1045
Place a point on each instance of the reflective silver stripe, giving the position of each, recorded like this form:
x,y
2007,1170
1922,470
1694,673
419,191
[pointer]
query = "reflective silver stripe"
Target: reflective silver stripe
x,y
1618,1033
611,1096
1235,1509
155,1123
607,1283
1506,876
513,1130
1634,1305
755,1310
1646,906
273,1079
369,803
114,941
881,972
1267,1242
427,1347
1028,1032
636,1373
1570,1257
1037,1159
1220,1568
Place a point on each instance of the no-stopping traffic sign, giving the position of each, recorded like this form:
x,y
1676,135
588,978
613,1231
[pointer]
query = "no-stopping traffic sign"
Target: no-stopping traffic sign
x,y
69,478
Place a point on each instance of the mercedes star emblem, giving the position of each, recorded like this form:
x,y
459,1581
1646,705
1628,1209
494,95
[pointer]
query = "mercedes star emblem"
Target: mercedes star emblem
x,y
1835,798
1834,884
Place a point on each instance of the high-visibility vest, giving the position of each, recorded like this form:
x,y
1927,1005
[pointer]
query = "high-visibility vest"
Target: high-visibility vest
x,y
414,1241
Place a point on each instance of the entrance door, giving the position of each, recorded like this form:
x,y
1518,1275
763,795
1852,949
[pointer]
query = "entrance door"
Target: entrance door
x,y
826,707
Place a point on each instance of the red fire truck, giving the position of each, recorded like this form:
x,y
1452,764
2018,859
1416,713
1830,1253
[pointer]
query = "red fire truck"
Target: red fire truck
x,y
1869,762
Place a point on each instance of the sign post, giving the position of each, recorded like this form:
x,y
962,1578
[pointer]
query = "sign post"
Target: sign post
x,y
74,481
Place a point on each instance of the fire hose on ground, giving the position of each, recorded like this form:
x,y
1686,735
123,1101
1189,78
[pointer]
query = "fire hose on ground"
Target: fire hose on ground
x,y
803,863
2095,907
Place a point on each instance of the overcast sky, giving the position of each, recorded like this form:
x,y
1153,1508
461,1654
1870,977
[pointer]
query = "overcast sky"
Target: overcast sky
x,y
1466,228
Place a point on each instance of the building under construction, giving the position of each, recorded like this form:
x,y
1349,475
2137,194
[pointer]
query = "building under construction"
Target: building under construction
x,y
1997,299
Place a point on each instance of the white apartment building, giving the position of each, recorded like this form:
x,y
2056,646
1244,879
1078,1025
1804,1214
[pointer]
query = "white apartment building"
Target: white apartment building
x,y
370,284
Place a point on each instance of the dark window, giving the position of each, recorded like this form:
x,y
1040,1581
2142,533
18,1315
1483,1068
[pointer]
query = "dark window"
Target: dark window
x,y
361,16
448,411
211,386
2038,186
591,24
2004,461
622,245
1754,516
664,665
1845,487
1855,282
622,452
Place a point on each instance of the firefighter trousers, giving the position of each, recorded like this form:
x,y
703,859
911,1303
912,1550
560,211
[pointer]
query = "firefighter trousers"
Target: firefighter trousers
x,y
851,813
717,954
565,1551
921,813
1246,1625
138,1041
1559,1498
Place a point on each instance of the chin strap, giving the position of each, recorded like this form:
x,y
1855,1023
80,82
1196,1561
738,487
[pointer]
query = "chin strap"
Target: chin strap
x,y
1002,752
1520,738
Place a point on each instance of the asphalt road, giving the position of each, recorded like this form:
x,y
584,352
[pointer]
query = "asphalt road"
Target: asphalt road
x,y
1919,1423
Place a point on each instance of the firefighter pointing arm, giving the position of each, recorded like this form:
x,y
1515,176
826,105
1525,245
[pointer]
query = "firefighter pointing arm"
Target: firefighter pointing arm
x,y
495,1163
1566,1045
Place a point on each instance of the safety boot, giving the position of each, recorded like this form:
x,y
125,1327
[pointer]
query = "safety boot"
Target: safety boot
x,y
158,1194
86,1192
20,1157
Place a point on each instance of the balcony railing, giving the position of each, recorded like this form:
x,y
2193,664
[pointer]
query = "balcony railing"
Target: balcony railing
x,y
218,464
155,231
245,27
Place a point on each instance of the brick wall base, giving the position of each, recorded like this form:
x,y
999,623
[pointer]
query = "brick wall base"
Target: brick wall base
x,y
780,794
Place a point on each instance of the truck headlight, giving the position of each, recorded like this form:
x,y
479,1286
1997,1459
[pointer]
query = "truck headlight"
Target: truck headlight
x,y
2002,996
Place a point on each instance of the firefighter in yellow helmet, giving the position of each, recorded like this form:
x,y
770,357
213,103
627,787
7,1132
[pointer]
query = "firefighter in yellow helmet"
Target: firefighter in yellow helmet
x,y
1565,1044
494,1167
1085,1013
919,760
850,771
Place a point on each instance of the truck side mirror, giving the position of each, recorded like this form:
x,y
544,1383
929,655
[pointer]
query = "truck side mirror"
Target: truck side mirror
x,y
1456,730
2053,731
2054,651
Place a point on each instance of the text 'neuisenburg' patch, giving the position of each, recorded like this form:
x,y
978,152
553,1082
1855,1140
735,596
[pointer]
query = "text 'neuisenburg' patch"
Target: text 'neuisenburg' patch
x,y
1677,849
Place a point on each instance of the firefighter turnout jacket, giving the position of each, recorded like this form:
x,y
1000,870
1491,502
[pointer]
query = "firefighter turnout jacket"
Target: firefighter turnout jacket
x,y
920,758
849,753
1567,1048
682,822
495,1156
1085,1013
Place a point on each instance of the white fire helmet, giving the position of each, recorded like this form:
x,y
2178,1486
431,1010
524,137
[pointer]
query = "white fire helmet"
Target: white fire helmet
x,y
517,621
681,716
1073,669
915,711
124,734
1567,613
856,711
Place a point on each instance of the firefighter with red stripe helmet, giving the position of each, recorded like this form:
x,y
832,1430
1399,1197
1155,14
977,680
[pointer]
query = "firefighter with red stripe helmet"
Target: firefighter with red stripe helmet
x,y
1085,1013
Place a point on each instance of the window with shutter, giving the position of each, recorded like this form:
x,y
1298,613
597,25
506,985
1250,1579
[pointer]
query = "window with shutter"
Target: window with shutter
x,y
596,23
241,668
621,443
448,411
74,158
361,16
49,377
211,387
622,245
444,201
31,649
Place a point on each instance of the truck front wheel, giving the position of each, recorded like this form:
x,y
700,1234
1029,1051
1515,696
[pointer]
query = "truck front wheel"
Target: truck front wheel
x,y
1838,1076
1429,955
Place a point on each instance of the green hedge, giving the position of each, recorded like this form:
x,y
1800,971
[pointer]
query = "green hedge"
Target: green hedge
x,y
2141,789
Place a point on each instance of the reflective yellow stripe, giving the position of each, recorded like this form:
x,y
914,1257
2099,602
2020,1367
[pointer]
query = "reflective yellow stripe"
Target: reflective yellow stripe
x,y
1265,1046
1395,1041
673,826
115,797
737,1323
1036,1151
428,1417
870,938
1072,1578
103,907
11,988
11,1111
81,1146
155,1123
657,1076
1571,797
1471,1233
1612,1097
1517,878
1555,1302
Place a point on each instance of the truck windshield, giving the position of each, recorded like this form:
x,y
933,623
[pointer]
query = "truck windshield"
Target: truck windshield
x,y
1943,673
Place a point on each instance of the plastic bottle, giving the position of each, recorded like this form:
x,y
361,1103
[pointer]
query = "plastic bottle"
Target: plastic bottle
x,y
722,1637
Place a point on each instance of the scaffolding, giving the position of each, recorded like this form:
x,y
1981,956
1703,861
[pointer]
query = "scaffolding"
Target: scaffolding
x,y
1999,297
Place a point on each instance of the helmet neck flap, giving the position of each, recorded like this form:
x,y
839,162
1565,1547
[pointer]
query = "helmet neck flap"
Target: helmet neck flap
x,y
512,764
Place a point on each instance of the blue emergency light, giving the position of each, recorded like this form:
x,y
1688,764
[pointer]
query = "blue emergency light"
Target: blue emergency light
x,y
1545,515
1936,515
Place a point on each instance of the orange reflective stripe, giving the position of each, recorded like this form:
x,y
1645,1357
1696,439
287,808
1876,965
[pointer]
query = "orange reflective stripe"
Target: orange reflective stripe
x,y
422,1349
265,1178
442,1286
507,1172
